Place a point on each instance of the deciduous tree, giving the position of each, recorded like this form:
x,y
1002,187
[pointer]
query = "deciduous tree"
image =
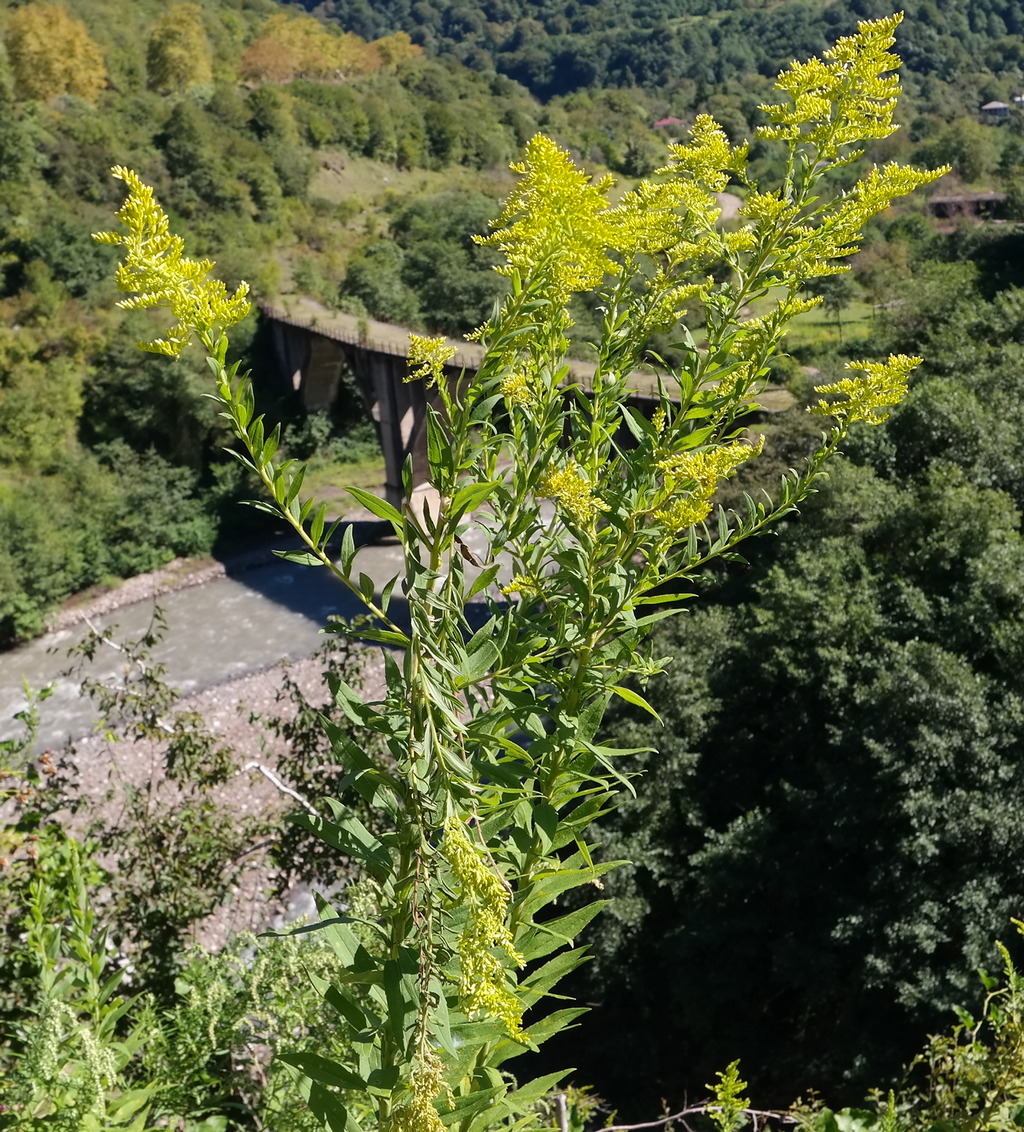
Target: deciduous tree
x,y
179,55
52,53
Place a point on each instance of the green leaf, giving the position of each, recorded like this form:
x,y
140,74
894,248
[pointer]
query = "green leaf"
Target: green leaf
x,y
590,719
385,594
470,1104
635,698
300,557
128,1104
516,1101
376,506
270,446
349,836
400,990
323,1070
348,550
554,1023
539,982
544,889
383,637
316,528
478,663
541,939
638,425
469,497
382,1082
262,505
545,824
483,580
342,1000
439,448
653,618
295,486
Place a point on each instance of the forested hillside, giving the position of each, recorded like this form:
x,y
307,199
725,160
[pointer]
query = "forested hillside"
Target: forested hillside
x,y
346,161
557,46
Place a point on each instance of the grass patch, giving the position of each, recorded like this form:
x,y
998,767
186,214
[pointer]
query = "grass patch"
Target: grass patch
x,y
326,481
821,328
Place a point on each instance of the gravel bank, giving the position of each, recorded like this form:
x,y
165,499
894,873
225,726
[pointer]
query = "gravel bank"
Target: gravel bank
x,y
179,574
106,768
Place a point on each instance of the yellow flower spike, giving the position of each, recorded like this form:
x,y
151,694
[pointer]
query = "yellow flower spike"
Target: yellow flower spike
x,y
649,219
516,389
521,584
156,267
843,99
873,193
707,158
427,1083
556,222
692,478
431,355
868,398
482,986
571,491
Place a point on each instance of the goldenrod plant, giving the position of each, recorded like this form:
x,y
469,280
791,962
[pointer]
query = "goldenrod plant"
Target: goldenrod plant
x,y
494,767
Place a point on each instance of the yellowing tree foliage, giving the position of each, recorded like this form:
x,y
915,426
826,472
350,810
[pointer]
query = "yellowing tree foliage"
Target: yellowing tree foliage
x,y
179,55
300,47
395,49
52,53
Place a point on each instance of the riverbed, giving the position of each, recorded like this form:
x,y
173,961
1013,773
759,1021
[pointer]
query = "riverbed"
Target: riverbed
x,y
217,631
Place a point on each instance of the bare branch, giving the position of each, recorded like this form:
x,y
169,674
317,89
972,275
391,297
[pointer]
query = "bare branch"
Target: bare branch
x,y
701,1110
562,1111
282,786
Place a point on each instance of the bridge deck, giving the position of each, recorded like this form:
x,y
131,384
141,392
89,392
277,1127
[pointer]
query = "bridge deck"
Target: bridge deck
x,y
384,338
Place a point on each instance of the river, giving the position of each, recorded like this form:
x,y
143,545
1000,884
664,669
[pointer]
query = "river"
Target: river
x,y
216,632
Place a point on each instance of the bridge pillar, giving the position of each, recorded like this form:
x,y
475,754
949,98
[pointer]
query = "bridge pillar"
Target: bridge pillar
x,y
310,364
399,410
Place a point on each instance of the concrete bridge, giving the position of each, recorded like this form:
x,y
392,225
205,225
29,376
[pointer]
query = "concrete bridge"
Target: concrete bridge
x,y
314,345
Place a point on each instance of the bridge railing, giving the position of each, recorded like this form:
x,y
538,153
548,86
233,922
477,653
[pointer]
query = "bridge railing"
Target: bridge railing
x,y
338,328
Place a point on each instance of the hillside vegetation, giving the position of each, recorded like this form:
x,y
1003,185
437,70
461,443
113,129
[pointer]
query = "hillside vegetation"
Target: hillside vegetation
x,y
557,46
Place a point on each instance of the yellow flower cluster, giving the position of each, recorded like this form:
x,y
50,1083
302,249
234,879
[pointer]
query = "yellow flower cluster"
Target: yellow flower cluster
x,y
483,988
418,1114
515,388
868,398
431,355
521,584
844,99
155,265
647,219
756,336
873,193
555,220
570,489
707,158
695,475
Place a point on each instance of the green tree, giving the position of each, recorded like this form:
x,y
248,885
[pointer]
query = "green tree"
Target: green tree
x,y
374,276
823,842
